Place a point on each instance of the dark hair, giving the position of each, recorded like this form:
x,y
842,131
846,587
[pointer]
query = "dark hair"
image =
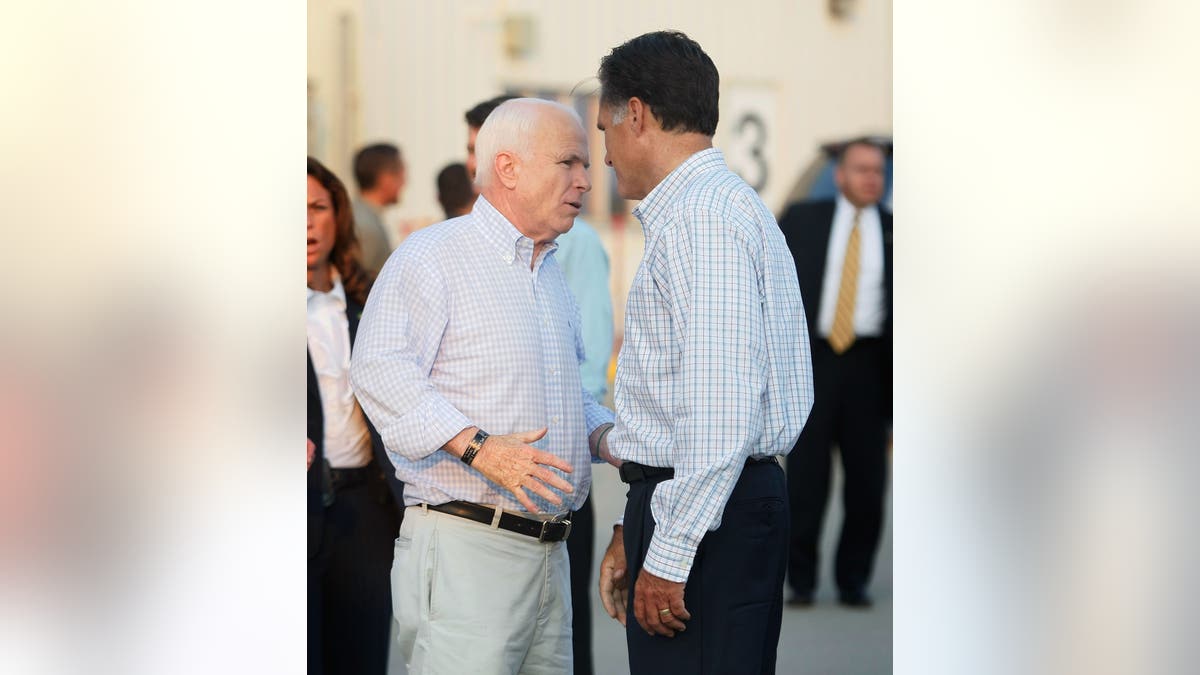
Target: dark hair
x,y
344,255
374,160
477,115
669,72
862,141
454,188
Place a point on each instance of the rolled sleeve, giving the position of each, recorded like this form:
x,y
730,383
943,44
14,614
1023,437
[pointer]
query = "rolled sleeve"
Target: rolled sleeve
x,y
394,351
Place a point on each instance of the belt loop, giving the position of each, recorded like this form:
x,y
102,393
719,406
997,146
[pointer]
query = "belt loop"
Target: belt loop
x,y
496,517
424,508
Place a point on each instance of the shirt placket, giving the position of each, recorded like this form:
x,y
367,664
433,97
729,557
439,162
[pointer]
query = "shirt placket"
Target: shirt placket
x,y
551,352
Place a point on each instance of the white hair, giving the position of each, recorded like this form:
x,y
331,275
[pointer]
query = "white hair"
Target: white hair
x,y
510,128
619,112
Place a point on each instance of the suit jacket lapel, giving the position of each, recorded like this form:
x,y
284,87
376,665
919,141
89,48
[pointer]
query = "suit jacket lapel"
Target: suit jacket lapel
x,y
885,221
821,234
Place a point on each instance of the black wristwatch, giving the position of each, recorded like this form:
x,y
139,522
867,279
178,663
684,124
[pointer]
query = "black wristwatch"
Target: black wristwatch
x,y
468,455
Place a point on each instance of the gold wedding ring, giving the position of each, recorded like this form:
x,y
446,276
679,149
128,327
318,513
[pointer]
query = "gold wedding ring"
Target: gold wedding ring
x,y
664,611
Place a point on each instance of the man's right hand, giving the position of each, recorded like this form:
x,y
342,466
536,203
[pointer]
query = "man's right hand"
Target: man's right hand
x,y
511,462
614,585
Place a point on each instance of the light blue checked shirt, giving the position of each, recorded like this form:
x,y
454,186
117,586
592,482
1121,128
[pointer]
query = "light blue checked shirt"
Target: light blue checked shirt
x,y
459,332
585,264
715,364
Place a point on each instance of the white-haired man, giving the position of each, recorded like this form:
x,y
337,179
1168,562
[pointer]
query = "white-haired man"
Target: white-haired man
x,y
469,331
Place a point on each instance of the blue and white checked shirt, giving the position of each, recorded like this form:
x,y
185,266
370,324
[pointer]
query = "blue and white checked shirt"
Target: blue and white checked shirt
x,y
458,331
715,365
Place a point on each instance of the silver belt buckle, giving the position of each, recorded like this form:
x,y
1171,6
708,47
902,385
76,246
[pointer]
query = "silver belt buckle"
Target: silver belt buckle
x,y
546,526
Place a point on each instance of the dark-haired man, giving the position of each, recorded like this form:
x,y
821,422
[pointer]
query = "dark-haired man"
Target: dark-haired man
x,y
843,252
454,190
379,172
713,381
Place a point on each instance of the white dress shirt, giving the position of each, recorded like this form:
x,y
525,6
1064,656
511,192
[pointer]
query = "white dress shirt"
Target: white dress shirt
x,y
460,332
715,366
869,310
347,442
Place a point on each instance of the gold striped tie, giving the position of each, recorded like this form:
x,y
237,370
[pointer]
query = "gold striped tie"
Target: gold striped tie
x,y
842,335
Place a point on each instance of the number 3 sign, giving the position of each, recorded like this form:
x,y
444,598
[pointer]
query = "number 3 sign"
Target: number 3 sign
x,y
750,136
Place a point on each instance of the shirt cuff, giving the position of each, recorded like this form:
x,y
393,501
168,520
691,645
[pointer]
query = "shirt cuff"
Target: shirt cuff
x,y
440,422
596,415
669,559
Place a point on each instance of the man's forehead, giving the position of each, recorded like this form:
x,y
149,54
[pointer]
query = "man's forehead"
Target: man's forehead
x,y
580,154
864,152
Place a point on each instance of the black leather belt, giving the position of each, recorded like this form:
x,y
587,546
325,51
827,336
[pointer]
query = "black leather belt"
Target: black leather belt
x,y
344,478
632,472
542,530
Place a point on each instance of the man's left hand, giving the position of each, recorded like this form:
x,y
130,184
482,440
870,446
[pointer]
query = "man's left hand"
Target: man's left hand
x,y
652,595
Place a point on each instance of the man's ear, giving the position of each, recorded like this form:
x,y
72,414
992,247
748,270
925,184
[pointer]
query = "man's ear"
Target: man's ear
x,y
638,112
508,167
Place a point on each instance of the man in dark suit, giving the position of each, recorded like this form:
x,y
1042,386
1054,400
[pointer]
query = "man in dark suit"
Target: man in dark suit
x,y
843,254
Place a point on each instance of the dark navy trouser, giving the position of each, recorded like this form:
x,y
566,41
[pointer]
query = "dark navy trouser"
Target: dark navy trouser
x,y
735,589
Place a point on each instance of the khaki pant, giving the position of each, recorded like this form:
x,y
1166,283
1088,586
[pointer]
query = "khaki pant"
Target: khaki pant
x,y
472,599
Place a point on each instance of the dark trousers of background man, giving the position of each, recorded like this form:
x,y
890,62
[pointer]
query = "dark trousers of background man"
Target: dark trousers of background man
x,y
734,590
349,595
848,412
580,552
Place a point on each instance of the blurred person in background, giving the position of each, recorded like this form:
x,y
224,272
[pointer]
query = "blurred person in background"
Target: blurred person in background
x,y
352,515
380,174
843,253
468,363
713,380
455,192
583,260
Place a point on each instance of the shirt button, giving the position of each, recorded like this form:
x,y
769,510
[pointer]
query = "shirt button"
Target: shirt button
x,y
554,420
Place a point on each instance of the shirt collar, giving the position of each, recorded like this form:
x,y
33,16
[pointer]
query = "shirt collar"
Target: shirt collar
x,y
649,211
843,204
503,235
337,293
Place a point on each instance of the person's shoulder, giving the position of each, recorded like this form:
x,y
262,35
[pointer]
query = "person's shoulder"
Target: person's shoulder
x,y
727,197
362,210
436,239
807,210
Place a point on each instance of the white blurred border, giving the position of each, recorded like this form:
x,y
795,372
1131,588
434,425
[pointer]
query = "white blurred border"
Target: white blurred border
x,y
1045,289
153,500
1047,269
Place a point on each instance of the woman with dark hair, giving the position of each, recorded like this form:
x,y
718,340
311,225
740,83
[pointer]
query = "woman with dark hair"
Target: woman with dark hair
x,y
352,515
340,251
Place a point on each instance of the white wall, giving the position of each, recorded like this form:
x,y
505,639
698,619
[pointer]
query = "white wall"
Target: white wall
x,y
422,64
335,82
